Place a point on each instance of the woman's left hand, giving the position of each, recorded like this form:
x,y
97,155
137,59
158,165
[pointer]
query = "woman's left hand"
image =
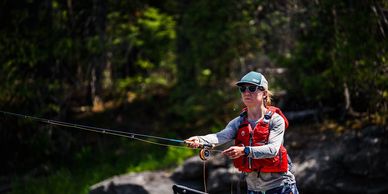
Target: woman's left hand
x,y
234,152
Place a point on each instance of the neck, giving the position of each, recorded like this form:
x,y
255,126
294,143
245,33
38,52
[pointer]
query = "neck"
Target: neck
x,y
256,112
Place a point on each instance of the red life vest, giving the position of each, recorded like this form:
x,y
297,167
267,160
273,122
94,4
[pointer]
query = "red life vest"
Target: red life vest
x,y
246,136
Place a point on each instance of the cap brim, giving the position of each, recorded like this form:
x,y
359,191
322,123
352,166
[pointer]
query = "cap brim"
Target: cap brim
x,y
246,82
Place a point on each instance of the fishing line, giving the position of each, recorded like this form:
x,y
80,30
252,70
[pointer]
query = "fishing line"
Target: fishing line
x,y
91,128
204,152
204,175
130,135
125,134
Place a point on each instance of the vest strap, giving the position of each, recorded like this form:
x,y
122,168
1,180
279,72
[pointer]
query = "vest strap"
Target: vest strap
x,y
267,116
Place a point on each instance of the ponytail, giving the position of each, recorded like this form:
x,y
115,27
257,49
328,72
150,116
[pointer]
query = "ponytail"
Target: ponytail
x,y
268,98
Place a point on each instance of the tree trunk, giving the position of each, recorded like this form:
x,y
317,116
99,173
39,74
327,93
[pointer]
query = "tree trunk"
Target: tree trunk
x,y
99,9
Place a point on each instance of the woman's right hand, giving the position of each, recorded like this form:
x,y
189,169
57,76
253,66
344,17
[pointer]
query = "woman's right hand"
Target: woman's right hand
x,y
193,142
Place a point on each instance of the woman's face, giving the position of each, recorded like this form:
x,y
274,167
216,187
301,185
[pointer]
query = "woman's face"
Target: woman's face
x,y
251,95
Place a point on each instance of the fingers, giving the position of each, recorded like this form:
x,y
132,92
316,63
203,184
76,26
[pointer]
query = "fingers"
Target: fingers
x,y
234,152
228,151
234,157
192,142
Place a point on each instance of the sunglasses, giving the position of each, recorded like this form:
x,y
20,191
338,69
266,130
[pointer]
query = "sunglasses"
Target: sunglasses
x,y
251,89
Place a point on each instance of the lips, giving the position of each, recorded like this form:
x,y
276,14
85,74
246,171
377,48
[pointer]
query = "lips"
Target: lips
x,y
247,98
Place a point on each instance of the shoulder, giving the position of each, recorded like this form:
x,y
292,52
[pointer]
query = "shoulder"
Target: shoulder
x,y
235,123
277,120
279,113
237,120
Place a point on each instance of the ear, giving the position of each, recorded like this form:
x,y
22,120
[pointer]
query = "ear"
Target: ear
x,y
265,95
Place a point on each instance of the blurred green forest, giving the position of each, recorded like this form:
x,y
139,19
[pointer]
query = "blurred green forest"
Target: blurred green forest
x,y
168,68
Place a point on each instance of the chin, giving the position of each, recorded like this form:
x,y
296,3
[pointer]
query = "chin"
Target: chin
x,y
248,103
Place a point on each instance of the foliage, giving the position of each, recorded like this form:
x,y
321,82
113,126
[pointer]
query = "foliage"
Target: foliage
x,y
334,53
96,165
169,67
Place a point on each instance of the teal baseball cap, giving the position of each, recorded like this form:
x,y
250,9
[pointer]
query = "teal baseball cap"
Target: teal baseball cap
x,y
254,78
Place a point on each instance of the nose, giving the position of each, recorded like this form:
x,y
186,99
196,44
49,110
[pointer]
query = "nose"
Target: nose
x,y
246,92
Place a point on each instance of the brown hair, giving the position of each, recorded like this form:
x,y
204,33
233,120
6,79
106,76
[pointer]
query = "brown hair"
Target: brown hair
x,y
268,98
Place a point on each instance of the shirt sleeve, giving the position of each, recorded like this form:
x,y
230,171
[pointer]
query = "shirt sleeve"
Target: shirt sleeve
x,y
275,140
223,136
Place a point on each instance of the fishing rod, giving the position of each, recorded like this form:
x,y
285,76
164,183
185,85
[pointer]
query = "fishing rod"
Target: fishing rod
x,y
204,152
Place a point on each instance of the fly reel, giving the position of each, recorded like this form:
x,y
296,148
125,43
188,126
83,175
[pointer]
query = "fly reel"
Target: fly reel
x,y
204,154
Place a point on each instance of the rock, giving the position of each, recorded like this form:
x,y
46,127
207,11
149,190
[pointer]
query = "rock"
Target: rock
x,y
353,162
122,189
191,169
324,162
223,180
139,183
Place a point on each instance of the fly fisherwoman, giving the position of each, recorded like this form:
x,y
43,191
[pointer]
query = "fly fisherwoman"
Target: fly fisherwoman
x,y
258,133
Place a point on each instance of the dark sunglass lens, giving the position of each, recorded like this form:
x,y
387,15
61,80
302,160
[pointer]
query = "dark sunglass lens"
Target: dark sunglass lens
x,y
242,89
252,88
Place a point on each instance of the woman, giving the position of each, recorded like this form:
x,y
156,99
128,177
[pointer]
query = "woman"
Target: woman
x,y
258,133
